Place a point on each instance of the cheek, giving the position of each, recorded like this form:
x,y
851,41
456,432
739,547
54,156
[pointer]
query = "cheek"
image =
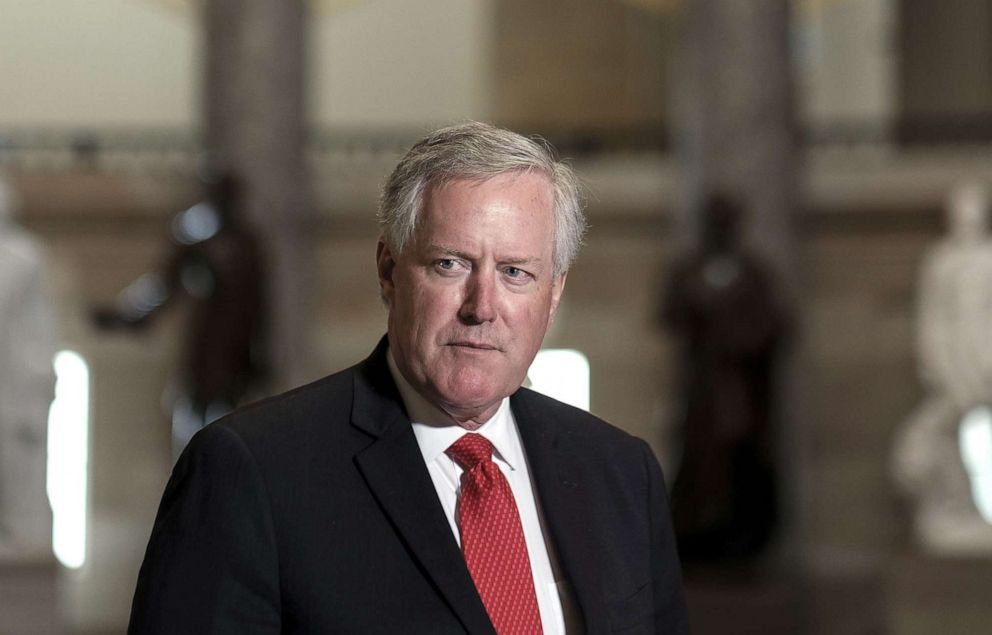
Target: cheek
x,y
429,311
414,297
537,319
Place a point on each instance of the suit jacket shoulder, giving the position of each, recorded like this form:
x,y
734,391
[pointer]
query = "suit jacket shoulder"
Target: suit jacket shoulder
x,y
570,420
296,413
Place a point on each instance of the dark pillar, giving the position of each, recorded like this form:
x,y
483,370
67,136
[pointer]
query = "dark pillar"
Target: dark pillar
x,y
734,115
255,126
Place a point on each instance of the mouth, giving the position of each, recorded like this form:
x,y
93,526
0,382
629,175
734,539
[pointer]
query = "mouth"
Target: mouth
x,y
477,346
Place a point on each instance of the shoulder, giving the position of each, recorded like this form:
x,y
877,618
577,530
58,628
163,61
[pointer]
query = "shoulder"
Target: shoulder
x,y
582,427
300,413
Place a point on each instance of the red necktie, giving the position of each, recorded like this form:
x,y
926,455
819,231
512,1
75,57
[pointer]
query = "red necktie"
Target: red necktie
x,y
493,540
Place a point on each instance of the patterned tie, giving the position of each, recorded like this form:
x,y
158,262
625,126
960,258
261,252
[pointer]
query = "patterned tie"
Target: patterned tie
x,y
493,540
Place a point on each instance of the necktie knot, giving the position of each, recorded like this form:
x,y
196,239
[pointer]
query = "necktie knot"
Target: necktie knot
x,y
470,450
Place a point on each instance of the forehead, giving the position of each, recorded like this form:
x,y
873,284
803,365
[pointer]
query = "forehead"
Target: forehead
x,y
515,207
529,192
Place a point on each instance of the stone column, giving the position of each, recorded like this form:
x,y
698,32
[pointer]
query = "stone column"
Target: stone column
x,y
734,115
734,131
254,124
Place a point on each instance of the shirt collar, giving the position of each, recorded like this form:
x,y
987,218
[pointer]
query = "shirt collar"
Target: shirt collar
x,y
436,430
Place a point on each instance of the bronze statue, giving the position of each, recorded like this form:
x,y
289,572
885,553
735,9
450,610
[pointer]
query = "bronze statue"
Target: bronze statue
x,y
216,262
721,303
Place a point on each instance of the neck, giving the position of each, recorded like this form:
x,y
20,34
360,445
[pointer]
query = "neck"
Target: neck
x,y
473,420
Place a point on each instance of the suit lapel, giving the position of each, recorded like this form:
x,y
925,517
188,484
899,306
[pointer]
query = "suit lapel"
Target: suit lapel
x,y
394,470
556,469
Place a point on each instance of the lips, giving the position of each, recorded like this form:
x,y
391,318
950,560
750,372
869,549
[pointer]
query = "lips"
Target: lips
x,y
481,346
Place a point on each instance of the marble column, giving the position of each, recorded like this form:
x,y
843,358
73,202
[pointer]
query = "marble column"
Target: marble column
x,y
254,124
734,115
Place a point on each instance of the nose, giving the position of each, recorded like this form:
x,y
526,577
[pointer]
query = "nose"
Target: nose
x,y
479,305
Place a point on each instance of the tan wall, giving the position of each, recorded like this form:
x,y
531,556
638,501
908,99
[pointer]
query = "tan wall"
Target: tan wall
x,y
111,62
860,382
578,63
126,63
396,63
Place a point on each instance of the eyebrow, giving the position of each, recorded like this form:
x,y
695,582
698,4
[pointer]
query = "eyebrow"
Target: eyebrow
x,y
435,248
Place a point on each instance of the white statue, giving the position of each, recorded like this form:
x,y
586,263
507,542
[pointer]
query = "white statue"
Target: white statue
x,y
943,457
27,379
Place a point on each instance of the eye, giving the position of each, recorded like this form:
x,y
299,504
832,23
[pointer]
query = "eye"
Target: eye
x,y
516,275
447,266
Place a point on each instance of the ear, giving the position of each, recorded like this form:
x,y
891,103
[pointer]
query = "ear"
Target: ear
x,y
385,265
556,290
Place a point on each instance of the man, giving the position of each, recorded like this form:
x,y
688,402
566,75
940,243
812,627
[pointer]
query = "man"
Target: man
x,y
424,491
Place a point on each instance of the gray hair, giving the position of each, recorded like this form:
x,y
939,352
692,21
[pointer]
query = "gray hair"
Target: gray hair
x,y
479,151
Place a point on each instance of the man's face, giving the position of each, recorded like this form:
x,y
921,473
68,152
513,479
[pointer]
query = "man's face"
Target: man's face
x,y
472,294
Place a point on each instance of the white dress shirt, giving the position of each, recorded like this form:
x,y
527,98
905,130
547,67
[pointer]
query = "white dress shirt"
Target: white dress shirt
x,y
435,432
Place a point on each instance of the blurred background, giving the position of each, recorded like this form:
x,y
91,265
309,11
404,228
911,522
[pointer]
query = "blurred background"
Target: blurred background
x,y
786,287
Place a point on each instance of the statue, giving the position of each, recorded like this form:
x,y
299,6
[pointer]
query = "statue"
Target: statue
x,y
943,456
27,383
216,262
721,304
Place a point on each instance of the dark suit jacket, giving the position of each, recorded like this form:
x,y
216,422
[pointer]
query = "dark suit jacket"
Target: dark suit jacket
x,y
313,512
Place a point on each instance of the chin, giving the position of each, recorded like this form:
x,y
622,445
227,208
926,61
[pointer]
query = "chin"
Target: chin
x,y
471,397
